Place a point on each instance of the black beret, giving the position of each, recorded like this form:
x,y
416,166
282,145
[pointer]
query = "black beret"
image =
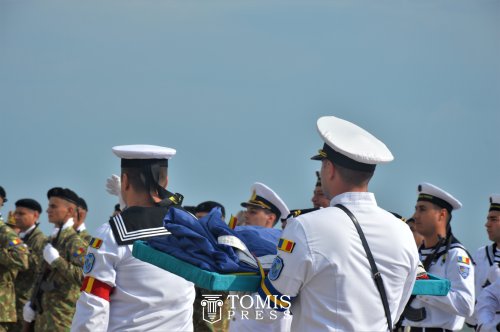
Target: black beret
x,y
208,206
64,193
82,204
3,194
29,204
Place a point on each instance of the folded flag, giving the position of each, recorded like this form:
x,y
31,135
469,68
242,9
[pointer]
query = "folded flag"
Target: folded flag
x,y
211,245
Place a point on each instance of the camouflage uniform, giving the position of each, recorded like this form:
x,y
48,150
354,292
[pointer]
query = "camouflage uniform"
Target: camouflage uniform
x,y
85,235
35,240
61,288
13,257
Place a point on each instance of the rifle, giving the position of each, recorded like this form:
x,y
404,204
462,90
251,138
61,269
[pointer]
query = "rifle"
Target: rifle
x,y
36,296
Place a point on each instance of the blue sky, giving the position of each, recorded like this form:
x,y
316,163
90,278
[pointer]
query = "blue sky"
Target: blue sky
x,y
236,87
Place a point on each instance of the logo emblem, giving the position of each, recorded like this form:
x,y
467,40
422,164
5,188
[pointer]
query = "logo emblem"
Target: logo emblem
x,y
89,263
275,271
464,271
212,308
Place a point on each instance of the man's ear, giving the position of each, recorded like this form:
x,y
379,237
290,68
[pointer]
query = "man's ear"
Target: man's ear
x,y
125,182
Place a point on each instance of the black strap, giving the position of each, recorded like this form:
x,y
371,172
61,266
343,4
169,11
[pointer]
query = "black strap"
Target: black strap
x,y
377,277
488,254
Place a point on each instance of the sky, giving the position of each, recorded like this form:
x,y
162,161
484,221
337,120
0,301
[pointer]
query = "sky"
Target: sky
x,y
237,86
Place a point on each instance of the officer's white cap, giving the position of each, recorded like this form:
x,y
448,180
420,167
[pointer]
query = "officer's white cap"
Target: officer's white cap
x,y
430,193
142,151
350,146
495,202
265,198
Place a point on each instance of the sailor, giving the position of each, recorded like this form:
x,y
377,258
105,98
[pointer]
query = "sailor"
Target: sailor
x,y
444,256
322,273
487,258
488,308
319,199
120,292
264,208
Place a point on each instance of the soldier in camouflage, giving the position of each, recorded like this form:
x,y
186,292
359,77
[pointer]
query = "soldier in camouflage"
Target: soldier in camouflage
x,y
64,254
26,218
79,221
13,258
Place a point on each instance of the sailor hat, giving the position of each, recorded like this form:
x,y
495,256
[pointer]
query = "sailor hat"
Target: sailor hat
x,y
265,198
495,202
139,155
350,146
430,193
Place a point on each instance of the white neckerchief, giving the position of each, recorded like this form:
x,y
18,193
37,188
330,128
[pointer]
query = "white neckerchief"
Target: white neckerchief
x,y
23,234
68,223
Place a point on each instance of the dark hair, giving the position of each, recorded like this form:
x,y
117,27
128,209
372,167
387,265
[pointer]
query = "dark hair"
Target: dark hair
x,y
208,206
137,178
354,177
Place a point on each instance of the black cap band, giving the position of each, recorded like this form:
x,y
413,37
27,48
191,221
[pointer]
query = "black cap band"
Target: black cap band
x,y
138,163
495,207
342,160
261,202
436,200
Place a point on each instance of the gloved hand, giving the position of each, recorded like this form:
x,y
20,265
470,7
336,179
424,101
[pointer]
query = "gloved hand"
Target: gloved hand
x,y
113,187
50,253
28,313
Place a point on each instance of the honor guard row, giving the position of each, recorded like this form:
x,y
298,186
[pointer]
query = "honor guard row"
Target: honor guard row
x,y
322,267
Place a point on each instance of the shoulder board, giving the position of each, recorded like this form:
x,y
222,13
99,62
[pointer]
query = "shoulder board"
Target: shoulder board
x,y
137,223
299,212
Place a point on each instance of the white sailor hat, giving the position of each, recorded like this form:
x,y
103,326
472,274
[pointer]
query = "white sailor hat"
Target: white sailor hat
x,y
350,146
139,154
495,202
265,198
430,193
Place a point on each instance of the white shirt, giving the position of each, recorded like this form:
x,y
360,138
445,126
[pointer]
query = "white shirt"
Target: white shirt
x,y
328,275
448,311
488,307
484,258
145,297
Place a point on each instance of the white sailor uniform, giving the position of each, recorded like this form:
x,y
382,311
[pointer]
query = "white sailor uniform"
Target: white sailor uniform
x,y
122,293
488,308
322,267
448,311
484,258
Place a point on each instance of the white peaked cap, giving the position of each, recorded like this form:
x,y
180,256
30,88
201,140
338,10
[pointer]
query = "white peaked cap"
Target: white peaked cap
x,y
345,139
142,151
264,197
431,193
495,202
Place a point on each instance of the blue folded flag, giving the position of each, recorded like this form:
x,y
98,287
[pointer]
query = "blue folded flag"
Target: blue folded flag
x,y
196,241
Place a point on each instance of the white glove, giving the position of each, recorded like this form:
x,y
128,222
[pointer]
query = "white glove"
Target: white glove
x,y
114,187
28,313
50,253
